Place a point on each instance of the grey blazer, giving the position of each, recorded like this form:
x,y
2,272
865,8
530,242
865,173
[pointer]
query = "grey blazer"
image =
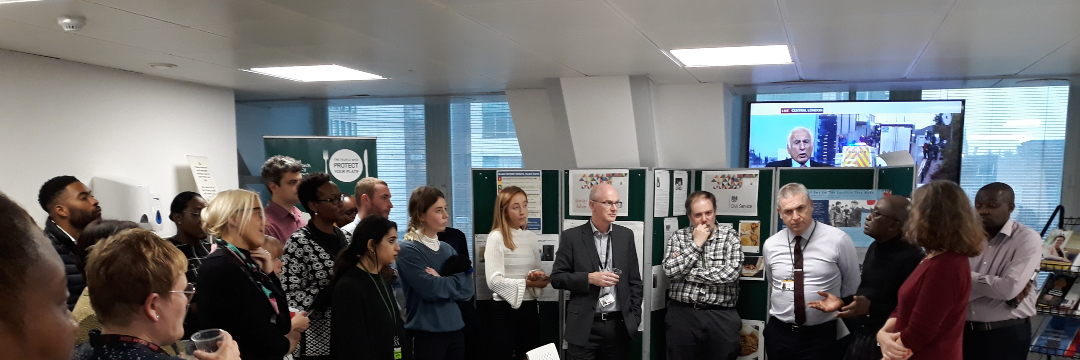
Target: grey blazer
x,y
576,258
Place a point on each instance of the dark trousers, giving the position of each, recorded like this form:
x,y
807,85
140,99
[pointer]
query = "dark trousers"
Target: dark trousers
x,y
608,340
436,346
864,344
694,334
807,343
514,331
1004,344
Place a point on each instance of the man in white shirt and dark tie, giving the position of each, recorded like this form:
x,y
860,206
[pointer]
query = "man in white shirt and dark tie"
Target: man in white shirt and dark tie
x,y
801,260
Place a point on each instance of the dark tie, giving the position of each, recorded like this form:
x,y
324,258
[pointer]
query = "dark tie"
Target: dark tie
x,y
800,298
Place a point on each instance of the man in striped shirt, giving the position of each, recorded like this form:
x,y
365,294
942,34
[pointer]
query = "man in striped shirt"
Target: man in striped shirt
x,y
703,261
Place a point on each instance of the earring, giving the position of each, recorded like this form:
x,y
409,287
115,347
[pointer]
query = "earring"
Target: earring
x,y
158,317
179,223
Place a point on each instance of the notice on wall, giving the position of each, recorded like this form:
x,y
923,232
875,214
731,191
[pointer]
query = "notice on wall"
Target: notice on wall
x,y
568,224
736,191
660,285
847,211
548,244
750,235
483,292
661,193
204,180
531,181
671,225
638,228
753,268
752,340
582,181
678,197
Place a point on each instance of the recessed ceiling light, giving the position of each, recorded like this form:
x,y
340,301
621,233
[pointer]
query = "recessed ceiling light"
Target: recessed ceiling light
x,y
162,65
730,56
316,73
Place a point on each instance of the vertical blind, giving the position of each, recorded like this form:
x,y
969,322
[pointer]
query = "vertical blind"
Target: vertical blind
x,y
1015,136
482,135
400,146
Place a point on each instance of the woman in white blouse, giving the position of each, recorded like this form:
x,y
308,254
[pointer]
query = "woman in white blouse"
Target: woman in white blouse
x,y
512,263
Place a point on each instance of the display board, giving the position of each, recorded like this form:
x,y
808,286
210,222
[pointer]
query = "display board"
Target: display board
x,y
674,216
346,159
485,185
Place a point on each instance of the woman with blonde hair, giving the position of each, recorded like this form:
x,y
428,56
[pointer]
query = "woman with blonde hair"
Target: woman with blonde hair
x,y
928,322
237,289
434,325
512,264
140,295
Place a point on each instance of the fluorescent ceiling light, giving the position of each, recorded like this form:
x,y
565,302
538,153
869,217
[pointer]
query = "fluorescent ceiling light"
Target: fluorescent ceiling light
x,y
316,73
16,1
730,56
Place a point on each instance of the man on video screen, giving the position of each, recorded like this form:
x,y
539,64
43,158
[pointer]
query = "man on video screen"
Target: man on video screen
x,y
800,146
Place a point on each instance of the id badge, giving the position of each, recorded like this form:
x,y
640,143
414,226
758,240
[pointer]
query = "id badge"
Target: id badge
x,y
787,285
606,300
397,349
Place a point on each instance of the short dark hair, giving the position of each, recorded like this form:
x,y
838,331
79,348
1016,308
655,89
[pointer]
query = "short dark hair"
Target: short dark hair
x,y
278,165
179,203
96,232
309,188
52,190
19,251
708,195
372,227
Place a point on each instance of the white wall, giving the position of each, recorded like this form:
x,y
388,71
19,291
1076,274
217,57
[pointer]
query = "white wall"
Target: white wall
x,y
544,141
59,117
601,118
254,122
692,126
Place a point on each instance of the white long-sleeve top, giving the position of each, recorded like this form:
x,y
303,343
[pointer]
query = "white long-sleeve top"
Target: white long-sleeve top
x,y
506,269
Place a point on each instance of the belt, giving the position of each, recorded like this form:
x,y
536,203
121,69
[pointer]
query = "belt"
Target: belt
x,y
605,316
699,306
987,326
795,328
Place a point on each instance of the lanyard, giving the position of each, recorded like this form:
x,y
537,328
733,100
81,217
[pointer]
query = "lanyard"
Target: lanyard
x,y
127,339
791,252
252,269
607,256
385,301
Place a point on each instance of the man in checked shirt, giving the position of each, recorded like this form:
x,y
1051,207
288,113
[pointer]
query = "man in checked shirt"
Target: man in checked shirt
x,y
703,262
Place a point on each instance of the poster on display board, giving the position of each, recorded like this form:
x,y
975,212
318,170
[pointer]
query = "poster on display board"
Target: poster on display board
x,y
736,191
752,340
847,211
546,244
678,196
346,159
531,181
661,193
582,181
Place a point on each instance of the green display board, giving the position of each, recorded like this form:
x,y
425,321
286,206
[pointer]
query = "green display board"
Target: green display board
x,y
485,191
901,180
346,159
658,325
829,178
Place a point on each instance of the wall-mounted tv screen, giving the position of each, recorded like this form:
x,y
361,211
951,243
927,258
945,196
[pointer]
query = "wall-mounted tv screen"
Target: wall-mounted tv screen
x,y
855,134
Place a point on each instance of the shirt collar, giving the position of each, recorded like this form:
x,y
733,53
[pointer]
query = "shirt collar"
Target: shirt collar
x,y
1007,230
795,164
63,231
597,231
810,230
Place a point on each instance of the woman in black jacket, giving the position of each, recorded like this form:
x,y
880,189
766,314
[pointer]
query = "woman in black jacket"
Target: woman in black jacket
x,y
367,323
237,289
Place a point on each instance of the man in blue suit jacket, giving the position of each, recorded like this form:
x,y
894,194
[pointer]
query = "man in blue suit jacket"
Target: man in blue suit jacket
x,y
605,307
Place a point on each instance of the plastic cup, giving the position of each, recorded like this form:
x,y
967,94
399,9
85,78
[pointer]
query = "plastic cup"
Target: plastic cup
x,y
185,349
207,340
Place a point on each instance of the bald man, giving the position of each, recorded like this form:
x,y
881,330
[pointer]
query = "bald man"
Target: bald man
x,y
800,146
998,328
597,263
889,260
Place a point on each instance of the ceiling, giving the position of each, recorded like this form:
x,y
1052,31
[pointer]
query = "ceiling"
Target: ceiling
x,y
436,47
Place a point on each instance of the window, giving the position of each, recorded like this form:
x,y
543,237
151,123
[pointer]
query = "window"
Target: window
x,y
482,135
400,146
825,96
1015,136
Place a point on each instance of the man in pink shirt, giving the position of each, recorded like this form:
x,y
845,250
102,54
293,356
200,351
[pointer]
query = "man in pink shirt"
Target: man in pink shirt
x,y
281,174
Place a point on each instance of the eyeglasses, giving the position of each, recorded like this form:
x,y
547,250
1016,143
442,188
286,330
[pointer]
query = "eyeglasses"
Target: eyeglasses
x,y
335,201
875,214
616,204
189,291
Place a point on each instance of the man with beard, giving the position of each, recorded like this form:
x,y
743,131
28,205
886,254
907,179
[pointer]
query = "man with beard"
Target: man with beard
x,y
71,207
995,328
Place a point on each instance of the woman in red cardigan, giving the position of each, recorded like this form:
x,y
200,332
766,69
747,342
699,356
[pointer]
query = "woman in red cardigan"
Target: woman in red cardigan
x,y
928,322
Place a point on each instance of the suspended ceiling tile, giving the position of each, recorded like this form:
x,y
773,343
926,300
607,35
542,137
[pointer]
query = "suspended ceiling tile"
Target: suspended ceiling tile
x,y
1065,60
738,75
652,13
892,38
298,31
98,18
321,8
608,52
835,10
181,41
699,36
547,17
200,12
855,70
251,58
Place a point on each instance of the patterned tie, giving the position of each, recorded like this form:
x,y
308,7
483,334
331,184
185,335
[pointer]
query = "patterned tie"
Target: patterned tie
x,y
800,298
